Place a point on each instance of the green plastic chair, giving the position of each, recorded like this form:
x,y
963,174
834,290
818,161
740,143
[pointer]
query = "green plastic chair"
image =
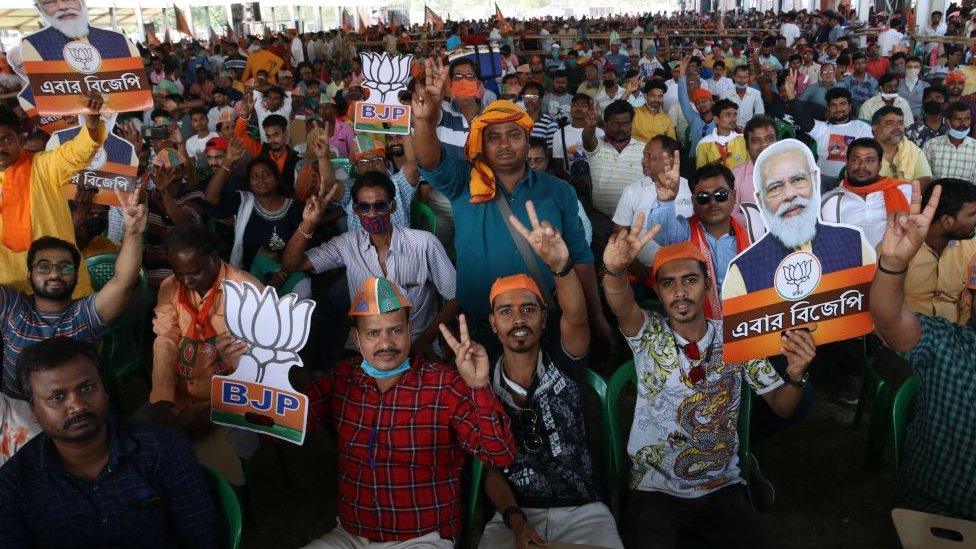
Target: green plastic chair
x,y
599,386
627,374
422,216
881,411
123,344
229,505
899,416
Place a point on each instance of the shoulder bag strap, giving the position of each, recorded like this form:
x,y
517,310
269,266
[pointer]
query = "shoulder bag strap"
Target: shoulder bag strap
x,y
528,254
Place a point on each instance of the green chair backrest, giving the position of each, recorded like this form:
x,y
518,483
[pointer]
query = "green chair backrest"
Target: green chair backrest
x,y
605,463
627,374
228,504
101,268
422,216
899,416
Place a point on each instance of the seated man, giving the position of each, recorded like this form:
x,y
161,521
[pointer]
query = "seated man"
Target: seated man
x,y
724,145
937,472
550,492
683,442
424,417
712,229
93,480
191,346
90,221
53,266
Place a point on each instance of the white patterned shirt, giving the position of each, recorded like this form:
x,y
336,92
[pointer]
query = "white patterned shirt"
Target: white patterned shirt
x,y
948,160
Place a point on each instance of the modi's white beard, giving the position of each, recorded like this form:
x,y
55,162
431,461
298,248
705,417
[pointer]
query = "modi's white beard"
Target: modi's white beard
x,y
72,28
796,230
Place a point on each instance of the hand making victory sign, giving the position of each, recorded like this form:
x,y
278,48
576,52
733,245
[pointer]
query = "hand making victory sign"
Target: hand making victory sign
x,y
623,247
546,241
426,103
470,356
667,184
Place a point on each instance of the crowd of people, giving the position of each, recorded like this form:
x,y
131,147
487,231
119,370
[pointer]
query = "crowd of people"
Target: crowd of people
x,y
576,201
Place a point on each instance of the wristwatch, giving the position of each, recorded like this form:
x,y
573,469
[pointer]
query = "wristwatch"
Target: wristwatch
x,y
790,381
511,512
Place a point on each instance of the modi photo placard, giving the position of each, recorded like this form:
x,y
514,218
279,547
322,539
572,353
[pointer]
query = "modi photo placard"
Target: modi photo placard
x,y
61,70
803,272
257,396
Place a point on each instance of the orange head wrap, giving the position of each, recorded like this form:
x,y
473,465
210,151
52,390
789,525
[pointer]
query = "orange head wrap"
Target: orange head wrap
x,y
482,176
674,252
699,94
514,282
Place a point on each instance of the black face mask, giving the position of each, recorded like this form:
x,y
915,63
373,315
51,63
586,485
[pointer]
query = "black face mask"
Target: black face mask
x,y
932,108
609,83
95,225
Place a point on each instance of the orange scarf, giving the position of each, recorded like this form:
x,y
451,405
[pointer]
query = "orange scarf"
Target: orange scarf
x,y
15,204
201,325
894,198
482,176
713,305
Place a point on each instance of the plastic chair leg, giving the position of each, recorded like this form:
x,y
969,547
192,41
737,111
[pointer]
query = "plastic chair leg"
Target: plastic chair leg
x,y
880,424
867,387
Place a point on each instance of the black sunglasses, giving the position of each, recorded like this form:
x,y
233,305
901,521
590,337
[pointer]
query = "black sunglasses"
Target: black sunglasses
x,y
703,198
526,429
380,207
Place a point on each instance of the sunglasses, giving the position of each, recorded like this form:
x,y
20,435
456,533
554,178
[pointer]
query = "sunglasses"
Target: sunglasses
x,y
45,267
526,423
379,207
703,198
369,160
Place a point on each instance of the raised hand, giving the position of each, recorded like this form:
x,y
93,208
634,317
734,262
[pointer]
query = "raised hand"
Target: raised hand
x,y
789,87
94,102
426,101
134,212
317,203
163,177
634,84
235,152
323,144
591,119
470,356
623,247
546,241
247,105
668,181
905,233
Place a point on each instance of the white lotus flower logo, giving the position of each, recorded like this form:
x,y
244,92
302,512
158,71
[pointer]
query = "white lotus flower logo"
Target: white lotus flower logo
x,y
276,328
385,75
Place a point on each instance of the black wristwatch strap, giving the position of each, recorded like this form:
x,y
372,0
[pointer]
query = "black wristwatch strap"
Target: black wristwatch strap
x,y
565,270
790,381
511,512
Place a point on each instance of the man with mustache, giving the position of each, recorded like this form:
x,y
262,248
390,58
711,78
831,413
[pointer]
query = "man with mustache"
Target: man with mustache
x,y
404,426
687,479
786,179
650,120
865,198
550,492
902,159
92,479
53,267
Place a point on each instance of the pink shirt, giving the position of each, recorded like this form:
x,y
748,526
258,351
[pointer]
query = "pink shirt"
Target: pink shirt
x,y
342,138
745,190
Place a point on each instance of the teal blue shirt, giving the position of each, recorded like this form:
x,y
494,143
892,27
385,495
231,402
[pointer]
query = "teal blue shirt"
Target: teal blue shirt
x,y
485,249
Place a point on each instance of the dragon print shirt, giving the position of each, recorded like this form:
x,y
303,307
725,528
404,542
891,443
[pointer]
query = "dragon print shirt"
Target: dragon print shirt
x,y
684,440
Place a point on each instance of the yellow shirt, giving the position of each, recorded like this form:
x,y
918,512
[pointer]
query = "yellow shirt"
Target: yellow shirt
x,y
51,171
708,151
171,324
970,72
262,60
936,285
908,163
98,246
647,125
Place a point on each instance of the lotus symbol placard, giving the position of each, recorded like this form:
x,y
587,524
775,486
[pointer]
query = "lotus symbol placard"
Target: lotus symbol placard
x,y
385,76
82,57
797,276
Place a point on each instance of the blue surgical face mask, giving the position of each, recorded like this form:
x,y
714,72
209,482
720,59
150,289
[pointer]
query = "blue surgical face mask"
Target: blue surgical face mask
x,y
958,134
376,373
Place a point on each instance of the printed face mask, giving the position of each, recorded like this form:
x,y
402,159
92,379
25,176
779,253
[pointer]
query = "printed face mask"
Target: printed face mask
x,y
375,224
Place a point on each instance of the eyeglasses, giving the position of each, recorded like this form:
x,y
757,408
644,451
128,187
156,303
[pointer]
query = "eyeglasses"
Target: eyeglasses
x,y
468,77
703,198
380,207
799,181
530,96
526,426
369,160
63,267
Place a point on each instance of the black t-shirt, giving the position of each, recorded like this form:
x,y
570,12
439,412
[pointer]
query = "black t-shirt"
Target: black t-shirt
x,y
560,473
271,233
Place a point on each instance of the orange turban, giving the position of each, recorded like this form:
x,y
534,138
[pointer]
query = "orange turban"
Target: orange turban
x,y
482,176
674,252
514,282
699,94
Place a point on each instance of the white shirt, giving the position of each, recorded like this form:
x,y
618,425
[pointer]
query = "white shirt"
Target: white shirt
x,y
869,213
670,96
832,141
263,111
574,143
195,147
297,51
602,99
749,104
887,40
791,32
641,196
611,172
721,86
874,103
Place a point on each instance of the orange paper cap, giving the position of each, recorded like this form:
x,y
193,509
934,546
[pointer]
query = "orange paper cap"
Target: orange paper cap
x,y
699,94
377,296
674,252
514,282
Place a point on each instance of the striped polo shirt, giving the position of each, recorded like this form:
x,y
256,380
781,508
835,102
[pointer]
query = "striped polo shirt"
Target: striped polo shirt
x,y
611,172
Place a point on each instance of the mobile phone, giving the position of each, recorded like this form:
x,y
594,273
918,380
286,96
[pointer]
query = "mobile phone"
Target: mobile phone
x,y
155,132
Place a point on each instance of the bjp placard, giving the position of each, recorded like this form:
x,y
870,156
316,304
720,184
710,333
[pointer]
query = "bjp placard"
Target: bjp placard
x,y
385,76
62,69
114,166
257,396
802,272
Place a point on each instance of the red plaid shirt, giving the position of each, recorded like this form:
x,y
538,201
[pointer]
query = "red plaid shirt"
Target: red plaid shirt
x,y
401,452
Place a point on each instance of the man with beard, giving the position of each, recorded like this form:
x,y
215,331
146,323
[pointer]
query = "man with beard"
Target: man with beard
x,y
902,159
92,479
90,221
550,492
558,101
954,154
650,120
404,426
932,124
567,141
67,21
687,478
26,320
759,134
832,136
615,160
786,188
864,198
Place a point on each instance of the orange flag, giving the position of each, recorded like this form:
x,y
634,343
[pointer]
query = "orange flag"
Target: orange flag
x,y
503,25
181,24
151,37
433,19
348,23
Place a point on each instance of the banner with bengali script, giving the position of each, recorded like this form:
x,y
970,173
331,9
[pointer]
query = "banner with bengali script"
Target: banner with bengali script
x,y
58,85
114,166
